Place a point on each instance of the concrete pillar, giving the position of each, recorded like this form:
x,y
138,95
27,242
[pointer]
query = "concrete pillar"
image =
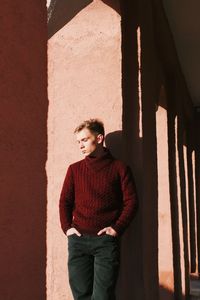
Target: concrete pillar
x,y
23,182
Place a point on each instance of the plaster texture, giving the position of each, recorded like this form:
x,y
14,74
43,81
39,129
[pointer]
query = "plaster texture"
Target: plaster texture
x,y
100,64
84,74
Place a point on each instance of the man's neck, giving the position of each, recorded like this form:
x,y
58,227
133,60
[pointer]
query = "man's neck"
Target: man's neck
x,y
99,151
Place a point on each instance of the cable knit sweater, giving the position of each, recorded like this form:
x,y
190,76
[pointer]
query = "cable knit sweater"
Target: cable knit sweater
x,y
97,192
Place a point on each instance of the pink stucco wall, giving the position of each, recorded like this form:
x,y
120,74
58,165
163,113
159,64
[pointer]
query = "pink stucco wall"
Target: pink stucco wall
x,y
84,81
95,69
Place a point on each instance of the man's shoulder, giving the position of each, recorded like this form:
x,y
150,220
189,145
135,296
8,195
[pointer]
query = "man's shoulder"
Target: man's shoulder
x,y
120,164
77,164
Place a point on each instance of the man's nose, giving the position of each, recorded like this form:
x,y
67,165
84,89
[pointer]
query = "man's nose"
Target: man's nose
x,y
81,146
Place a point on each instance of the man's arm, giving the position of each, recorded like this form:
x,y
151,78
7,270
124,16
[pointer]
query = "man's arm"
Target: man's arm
x,y
130,202
66,203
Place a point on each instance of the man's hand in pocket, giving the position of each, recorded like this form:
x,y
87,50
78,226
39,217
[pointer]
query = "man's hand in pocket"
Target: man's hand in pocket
x,y
72,231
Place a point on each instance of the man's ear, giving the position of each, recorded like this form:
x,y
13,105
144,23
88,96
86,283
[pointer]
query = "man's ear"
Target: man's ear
x,y
100,138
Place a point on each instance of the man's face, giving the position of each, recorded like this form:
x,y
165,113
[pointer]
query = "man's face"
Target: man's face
x,y
88,141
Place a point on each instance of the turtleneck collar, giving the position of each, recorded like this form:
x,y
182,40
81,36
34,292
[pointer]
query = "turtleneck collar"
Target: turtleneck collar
x,y
98,163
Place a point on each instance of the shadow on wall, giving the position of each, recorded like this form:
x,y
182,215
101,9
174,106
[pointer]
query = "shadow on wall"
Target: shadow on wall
x,y
159,68
131,280
130,283
166,294
179,106
23,123
61,12
130,277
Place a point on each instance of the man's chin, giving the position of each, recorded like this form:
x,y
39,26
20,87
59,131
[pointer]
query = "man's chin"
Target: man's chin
x,y
85,153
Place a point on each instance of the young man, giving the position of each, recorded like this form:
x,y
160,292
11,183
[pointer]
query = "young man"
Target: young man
x,y
97,203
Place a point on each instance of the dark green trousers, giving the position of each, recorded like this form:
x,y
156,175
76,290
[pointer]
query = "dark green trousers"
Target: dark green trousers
x,y
93,265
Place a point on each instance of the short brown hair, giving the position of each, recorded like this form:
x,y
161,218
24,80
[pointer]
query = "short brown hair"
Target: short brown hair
x,y
94,125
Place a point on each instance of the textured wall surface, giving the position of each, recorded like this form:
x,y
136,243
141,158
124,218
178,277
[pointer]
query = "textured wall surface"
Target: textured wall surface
x,y
93,67
23,118
98,68
84,81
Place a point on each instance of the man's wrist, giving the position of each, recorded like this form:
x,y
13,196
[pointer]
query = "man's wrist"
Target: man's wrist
x,y
67,230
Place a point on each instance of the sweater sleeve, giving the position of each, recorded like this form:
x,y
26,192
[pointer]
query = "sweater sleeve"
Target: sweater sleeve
x,y
66,202
130,202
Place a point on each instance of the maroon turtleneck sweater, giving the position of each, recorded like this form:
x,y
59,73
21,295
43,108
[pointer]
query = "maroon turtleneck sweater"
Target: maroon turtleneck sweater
x,y
97,192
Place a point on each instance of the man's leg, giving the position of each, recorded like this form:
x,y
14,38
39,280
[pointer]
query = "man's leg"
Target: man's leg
x,y
81,268
106,267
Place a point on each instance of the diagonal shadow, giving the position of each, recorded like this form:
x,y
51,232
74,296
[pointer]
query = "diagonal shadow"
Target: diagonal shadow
x,y
114,5
60,12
